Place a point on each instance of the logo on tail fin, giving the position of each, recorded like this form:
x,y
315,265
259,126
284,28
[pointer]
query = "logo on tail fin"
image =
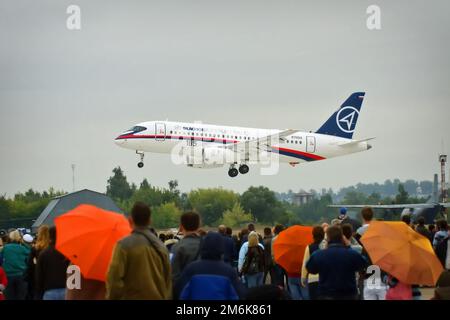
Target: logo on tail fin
x,y
346,119
343,121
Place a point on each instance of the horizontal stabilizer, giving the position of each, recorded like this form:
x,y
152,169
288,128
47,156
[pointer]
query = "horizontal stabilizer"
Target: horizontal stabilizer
x,y
353,142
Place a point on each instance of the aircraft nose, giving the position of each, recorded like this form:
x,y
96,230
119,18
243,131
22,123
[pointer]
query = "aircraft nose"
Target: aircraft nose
x,y
119,141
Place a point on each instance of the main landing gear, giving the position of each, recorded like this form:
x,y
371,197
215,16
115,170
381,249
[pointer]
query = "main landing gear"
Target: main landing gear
x,y
243,168
233,172
140,163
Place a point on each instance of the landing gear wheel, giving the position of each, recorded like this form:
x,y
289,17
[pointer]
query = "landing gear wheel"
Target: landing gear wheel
x,y
233,172
243,169
141,155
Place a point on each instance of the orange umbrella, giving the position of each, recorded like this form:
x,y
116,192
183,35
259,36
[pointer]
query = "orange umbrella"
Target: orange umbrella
x,y
402,252
289,247
87,235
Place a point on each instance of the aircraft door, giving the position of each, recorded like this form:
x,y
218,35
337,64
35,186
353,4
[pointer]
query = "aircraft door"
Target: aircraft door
x,y
310,144
160,131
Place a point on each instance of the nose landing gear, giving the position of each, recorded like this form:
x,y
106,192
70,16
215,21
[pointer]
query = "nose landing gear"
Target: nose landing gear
x,y
140,163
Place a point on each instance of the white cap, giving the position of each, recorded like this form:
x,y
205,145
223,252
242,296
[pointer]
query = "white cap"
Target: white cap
x,y
28,238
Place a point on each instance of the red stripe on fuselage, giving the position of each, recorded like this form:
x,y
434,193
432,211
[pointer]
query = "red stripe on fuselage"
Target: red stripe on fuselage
x,y
305,154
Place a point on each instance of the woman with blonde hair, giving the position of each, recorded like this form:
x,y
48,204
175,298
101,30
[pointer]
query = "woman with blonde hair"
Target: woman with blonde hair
x,y
42,243
254,264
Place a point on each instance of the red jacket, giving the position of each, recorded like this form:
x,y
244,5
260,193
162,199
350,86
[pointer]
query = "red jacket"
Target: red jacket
x,y
3,281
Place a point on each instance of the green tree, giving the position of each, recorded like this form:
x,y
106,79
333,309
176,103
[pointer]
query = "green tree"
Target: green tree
x,y
144,184
118,187
166,216
374,198
212,203
173,186
355,197
261,203
5,210
402,196
236,216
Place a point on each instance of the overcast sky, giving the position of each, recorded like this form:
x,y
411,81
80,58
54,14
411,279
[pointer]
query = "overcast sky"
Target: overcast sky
x,y
65,95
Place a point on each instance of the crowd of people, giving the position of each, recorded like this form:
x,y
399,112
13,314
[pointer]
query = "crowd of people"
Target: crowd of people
x,y
193,264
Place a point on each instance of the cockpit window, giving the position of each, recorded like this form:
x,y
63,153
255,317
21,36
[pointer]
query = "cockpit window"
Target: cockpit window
x,y
136,129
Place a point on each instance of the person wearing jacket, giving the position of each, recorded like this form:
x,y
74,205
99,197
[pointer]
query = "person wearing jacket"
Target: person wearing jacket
x,y
267,242
229,251
336,266
50,274
311,281
140,266
210,278
442,291
253,266
3,283
243,253
422,229
15,256
187,249
443,253
278,271
442,233
42,243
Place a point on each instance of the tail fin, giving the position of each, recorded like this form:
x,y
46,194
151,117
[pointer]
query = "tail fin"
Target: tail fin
x,y
343,122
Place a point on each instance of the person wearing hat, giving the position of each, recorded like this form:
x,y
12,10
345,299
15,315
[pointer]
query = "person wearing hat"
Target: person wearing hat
x,y
15,255
28,239
344,218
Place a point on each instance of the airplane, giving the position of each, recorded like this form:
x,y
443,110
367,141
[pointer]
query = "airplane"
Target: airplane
x,y
430,211
211,146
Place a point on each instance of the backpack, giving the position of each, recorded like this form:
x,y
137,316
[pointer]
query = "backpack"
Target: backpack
x,y
254,261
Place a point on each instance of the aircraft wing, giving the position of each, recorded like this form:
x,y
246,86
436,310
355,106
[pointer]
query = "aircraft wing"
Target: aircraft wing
x,y
387,206
262,143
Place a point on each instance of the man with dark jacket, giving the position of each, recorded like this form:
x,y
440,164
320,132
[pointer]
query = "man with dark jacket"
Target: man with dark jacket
x,y
229,247
443,253
345,219
336,266
51,272
422,229
140,266
210,278
267,242
187,249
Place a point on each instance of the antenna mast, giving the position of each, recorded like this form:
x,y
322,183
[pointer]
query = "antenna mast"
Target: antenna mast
x,y
73,177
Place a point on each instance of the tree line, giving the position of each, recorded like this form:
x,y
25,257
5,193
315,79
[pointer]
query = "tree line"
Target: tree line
x,y
257,204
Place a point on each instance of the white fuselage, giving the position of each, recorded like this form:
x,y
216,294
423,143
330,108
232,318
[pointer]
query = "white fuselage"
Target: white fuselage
x,y
165,136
